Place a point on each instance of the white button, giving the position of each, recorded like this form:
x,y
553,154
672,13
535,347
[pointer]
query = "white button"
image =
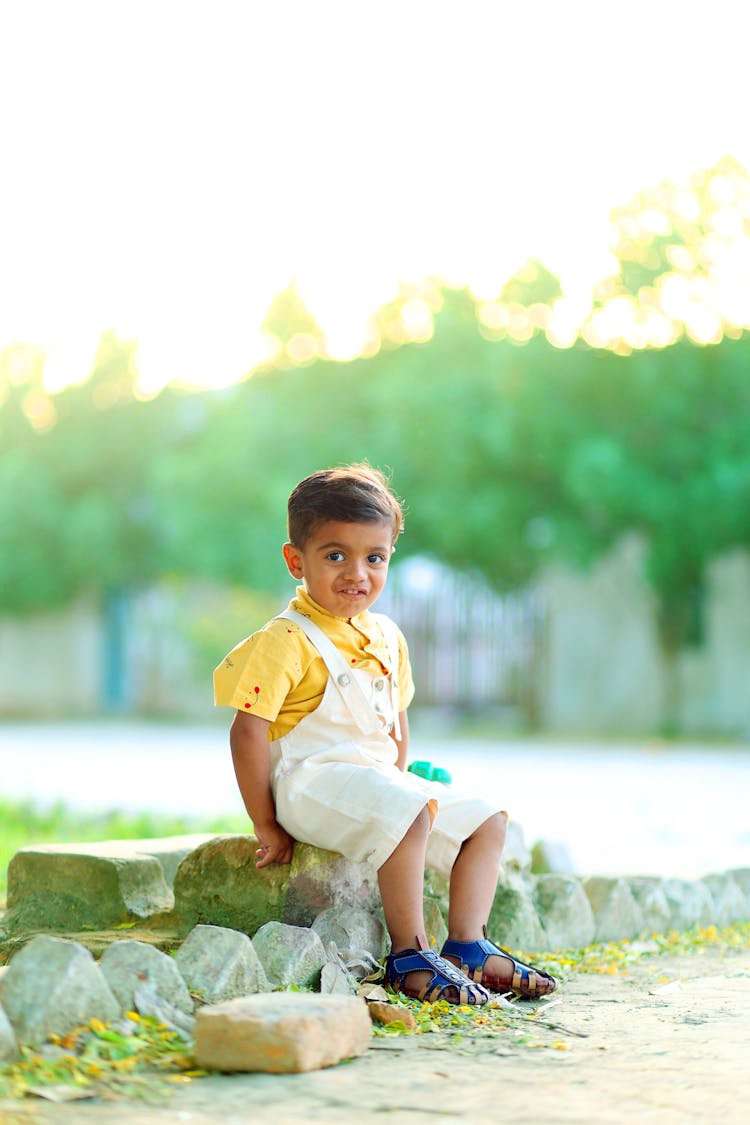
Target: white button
x,y
343,679
379,685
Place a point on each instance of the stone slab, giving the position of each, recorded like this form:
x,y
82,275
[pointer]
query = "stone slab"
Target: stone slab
x,y
281,1032
514,922
220,964
218,884
616,913
79,886
53,986
648,892
319,880
8,1044
729,902
125,964
690,903
435,928
352,930
564,911
169,850
551,857
290,955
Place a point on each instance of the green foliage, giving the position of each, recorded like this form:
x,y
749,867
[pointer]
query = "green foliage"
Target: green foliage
x,y
98,1061
23,824
532,285
508,456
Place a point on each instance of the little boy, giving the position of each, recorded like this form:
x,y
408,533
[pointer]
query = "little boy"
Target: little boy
x,y
320,739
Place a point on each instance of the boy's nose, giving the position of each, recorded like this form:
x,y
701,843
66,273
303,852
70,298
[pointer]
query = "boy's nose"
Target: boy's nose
x,y
356,569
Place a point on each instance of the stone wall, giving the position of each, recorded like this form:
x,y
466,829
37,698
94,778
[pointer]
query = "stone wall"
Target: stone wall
x,y
602,669
238,932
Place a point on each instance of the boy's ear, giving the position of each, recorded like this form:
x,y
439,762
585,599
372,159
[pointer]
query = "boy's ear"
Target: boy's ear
x,y
293,560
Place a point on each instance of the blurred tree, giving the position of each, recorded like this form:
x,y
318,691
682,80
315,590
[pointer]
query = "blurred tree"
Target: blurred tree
x,y
508,456
682,253
299,336
76,469
532,285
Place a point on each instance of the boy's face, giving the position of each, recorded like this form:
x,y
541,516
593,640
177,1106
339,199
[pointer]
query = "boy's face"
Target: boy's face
x,y
343,565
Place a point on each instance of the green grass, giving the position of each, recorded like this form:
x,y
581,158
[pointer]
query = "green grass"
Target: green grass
x,y
24,823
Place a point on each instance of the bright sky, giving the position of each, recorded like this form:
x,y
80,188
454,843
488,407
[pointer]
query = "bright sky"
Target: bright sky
x,y
169,165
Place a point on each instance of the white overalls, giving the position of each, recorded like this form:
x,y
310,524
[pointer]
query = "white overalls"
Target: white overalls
x,y
334,775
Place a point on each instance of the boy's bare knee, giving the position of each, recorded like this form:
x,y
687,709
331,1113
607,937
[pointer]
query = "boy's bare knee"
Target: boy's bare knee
x,y
420,826
493,830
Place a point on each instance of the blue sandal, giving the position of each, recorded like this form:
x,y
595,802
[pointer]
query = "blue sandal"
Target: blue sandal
x,y
446,983
472,956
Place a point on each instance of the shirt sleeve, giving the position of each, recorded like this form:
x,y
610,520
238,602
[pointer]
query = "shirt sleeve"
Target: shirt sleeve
x,y
258,674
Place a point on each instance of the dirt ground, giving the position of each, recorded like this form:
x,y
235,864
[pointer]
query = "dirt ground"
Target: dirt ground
x,y
669,1043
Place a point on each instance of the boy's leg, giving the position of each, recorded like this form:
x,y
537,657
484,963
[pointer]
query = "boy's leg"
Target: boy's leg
x,y
473,880
401,881
472,888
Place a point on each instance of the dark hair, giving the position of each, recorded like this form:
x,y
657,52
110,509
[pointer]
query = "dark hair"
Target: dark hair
x,y
352,494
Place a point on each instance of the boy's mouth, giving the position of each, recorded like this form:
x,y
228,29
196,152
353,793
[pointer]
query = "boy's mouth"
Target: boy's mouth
x,y
353,593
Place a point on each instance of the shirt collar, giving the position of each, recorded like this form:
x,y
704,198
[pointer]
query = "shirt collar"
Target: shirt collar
x,y
308,606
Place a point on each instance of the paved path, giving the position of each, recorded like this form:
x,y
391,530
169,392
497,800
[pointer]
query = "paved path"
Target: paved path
x,y
639,1048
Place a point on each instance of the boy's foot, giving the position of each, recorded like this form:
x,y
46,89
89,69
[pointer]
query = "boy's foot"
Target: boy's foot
x,y
424,975
497,969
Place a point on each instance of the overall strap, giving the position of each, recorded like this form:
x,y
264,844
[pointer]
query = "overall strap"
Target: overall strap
x,y
391,640
354,698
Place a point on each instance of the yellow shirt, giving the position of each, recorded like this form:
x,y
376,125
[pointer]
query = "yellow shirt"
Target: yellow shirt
x,y
279,675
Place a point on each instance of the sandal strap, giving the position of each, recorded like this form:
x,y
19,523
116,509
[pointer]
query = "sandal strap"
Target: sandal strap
x,y
473,955
444,976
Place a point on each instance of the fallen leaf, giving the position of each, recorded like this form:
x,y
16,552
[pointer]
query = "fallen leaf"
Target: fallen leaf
x,y
61,1093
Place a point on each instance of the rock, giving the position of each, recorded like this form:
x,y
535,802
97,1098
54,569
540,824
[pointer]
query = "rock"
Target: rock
x,y
320,880
729,902
648,892
564,911
220,964
8,1045
281,1032
53,986
290,955
73,887
690,904
741,876
352,930
127,963
616,913
514,922
437,887
168,850
218,884
148,1001
382,1012
435,927
551,857
516,855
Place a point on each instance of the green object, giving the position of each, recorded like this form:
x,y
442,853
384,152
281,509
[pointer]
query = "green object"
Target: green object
x,y
430,772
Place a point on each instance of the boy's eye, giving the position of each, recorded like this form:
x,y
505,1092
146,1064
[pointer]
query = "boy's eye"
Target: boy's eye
x,y
376,558
335,556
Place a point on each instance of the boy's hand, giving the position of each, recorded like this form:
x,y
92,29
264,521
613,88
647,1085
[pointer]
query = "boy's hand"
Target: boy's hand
x,y
276,845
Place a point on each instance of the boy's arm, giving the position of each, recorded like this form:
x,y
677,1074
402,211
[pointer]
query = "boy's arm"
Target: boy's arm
x,y
402,743
248,738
